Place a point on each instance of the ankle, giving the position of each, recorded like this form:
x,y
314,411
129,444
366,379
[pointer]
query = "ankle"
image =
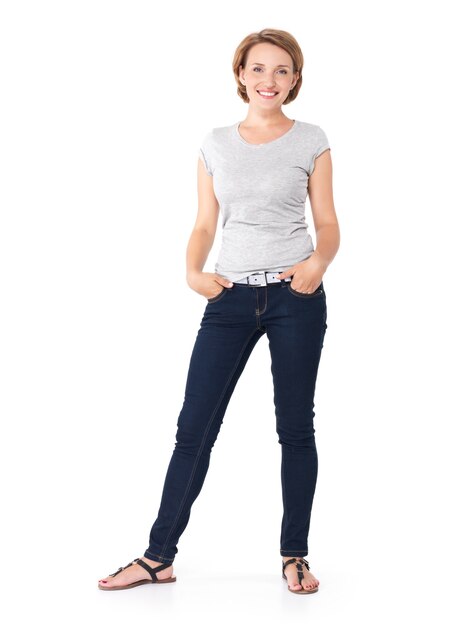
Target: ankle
x,y
155,563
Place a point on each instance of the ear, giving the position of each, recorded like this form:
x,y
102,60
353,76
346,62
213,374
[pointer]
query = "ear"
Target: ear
x,y
241,74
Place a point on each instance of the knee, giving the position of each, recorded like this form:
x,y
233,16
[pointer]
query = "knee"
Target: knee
x,y
192,442
298,439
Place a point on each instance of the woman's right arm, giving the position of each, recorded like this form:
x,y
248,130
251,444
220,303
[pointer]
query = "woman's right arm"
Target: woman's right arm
x,y
202,238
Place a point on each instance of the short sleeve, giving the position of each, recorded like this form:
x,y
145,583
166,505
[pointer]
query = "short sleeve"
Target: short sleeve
x,y
205,152
320,144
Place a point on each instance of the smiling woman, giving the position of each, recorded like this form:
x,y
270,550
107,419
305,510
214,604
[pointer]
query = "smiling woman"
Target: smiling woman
x,y
268,281
250,58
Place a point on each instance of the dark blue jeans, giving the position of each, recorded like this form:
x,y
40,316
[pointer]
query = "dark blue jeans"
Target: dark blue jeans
x,y
232,323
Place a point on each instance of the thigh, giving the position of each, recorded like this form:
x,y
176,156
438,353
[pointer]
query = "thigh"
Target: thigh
x,y
222,347
295,343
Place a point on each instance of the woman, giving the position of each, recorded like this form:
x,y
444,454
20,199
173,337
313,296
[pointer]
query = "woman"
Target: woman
x,y
268,280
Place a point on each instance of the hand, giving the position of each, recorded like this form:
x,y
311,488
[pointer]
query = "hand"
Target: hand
x,y
208,284
307,274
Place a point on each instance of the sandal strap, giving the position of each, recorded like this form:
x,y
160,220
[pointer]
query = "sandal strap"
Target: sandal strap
x,y
299,561
152,570
121,568
288,562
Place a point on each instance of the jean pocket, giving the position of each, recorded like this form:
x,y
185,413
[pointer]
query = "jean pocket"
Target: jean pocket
x,y
218,296
318,292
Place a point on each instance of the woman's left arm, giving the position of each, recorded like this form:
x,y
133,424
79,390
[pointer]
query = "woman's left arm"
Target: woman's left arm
x,y
320,191
309,273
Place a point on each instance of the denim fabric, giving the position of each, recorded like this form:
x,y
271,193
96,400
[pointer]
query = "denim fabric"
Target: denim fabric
x,y
232,323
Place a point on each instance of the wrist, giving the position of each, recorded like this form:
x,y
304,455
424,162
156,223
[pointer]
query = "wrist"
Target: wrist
x,y
191,275
320,260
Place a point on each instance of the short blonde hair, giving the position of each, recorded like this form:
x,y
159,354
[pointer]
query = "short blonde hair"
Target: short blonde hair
x,y
280,38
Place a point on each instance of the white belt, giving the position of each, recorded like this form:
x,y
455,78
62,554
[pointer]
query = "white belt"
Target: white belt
x,y
262,278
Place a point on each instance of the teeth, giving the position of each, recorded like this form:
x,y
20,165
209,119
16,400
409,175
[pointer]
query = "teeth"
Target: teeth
x,y
267,93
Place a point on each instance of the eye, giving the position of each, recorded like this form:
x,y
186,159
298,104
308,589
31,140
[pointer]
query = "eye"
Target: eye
x,y
256,68
285,71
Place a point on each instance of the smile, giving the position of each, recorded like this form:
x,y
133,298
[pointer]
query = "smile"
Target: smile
x,y
268,94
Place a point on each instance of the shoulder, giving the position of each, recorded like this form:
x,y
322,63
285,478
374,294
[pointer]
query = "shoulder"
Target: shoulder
x,y
312,137
214,143
311,130
314,142
218,135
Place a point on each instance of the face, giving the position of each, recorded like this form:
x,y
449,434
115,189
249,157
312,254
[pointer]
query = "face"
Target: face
x,y
268,69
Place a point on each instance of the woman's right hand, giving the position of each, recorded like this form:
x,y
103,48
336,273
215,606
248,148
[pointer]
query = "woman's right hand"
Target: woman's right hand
x,y
208,284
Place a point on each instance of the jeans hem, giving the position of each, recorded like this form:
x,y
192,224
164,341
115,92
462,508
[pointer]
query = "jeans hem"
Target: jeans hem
x,y
294,553
158,557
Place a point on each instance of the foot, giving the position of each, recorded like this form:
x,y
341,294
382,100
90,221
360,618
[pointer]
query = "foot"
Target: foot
x,y
136,572
309,581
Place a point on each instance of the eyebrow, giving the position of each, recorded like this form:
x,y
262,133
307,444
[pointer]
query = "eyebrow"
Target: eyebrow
x,y
276,65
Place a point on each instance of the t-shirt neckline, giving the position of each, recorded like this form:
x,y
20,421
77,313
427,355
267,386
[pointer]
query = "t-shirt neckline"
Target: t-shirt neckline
x,y
267,143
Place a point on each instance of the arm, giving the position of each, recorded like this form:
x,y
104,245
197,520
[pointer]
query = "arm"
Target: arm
x,y
202,238
320,190
203,234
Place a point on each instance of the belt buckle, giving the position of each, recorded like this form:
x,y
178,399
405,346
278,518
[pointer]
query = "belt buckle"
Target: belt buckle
x,y
258,279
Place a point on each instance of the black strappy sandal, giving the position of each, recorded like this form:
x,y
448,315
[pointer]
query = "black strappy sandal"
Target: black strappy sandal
x,y
151,570
298,561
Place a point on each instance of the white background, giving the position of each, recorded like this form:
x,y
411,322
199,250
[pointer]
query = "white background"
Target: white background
x,y
103,107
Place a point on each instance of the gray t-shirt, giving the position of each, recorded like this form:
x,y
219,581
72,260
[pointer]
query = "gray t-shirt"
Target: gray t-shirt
x,y
261,190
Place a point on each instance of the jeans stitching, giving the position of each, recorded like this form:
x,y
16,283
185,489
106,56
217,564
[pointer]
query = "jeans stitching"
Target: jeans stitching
x,y
217,297
159,557
191,478
315,294
265,303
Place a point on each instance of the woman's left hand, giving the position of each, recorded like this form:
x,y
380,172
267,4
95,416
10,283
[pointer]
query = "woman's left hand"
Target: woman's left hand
x,y
307,275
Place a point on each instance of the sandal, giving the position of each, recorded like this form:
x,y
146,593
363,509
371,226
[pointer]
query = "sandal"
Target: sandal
x,y
298,561
151,570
